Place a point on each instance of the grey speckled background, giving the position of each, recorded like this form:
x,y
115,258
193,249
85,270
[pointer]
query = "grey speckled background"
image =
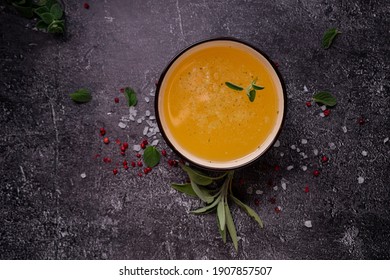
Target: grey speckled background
x,y
48,211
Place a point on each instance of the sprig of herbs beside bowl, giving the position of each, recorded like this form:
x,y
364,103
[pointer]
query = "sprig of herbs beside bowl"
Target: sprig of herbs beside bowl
x,y
49,12
216,199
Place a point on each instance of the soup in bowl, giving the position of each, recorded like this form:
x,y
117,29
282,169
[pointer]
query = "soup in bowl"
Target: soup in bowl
x,y
220,104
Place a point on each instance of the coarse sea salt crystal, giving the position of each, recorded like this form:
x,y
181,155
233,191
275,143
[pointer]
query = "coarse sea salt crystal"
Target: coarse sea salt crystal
x,y
121,125
360,180
364,153
322,114
277,144
290,167
386,140
249,190
332,146
152,118
145,130
139,120
137,148
305,89
131,118
305,156
147,99
293,147
281,154
344,128
259,192
150,134
298,150
147,113
315,152
83,175
284,186
304,141
323,107
304,167
308,224
276,188
155,142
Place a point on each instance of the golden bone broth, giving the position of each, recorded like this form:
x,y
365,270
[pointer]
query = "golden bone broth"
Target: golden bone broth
x,y
209,120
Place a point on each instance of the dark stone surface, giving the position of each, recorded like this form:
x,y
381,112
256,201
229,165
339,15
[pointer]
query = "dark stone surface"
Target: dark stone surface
x,y
48,211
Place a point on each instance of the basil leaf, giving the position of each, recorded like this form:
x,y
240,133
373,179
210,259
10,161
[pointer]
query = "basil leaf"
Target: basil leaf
x,y
252,95
41,25
151,156
56,11
207,208
47,17
221,214
325,98
248,210
204,196
81,96
256,87
233,86
328,37
231,227
197,176
222,232
131,96
184,188
41,10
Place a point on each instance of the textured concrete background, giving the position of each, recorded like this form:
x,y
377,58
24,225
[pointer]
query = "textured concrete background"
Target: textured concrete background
x,y
48,211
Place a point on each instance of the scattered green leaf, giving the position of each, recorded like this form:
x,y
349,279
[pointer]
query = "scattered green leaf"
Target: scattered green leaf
x,y
42,25
131,96
325,98
184,188
231,227
252,95
204,196
197,176
248,210
221,213
256,87
56,11
233,86
47,17
328,37
81,96
222,232
56,27
207,208
151,156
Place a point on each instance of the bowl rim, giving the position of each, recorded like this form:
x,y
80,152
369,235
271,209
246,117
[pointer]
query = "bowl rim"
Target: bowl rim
x,y
168,66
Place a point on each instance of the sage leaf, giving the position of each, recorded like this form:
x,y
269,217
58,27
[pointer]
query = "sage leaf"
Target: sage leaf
x,y
204,196
131,96
248,210
222,232
184,188
256,87
151,156
47,17
233,86
41,25
197,176
325,98
221,213
56,27
231,227
252,95
41,10
328,37
56,11
207,208
81,96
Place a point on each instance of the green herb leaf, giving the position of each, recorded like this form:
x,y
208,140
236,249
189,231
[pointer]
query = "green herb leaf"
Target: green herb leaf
x,y
256,87
328,37
151,156
184,188
231,227
252,95
248,210
41,10
197,176
47,17
221,214
207,208
56,11
222,232
204,196
325,98
56,27
233,86
81,96
41,25
131,96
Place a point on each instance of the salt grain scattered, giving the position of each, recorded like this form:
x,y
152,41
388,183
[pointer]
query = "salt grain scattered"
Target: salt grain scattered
x,y
298,150
154,143
249,190
304,167
332,146
322,115
147,99
305,156
122,125
360,180
386,140
323,107
147,113
305,89
83,175
308,224
284,186
315,151
281,154
109,113
364,153
139,120
276,188
293,147
137,148
290,167
152,118
344,128
145,130
304,141
259,192
277,144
